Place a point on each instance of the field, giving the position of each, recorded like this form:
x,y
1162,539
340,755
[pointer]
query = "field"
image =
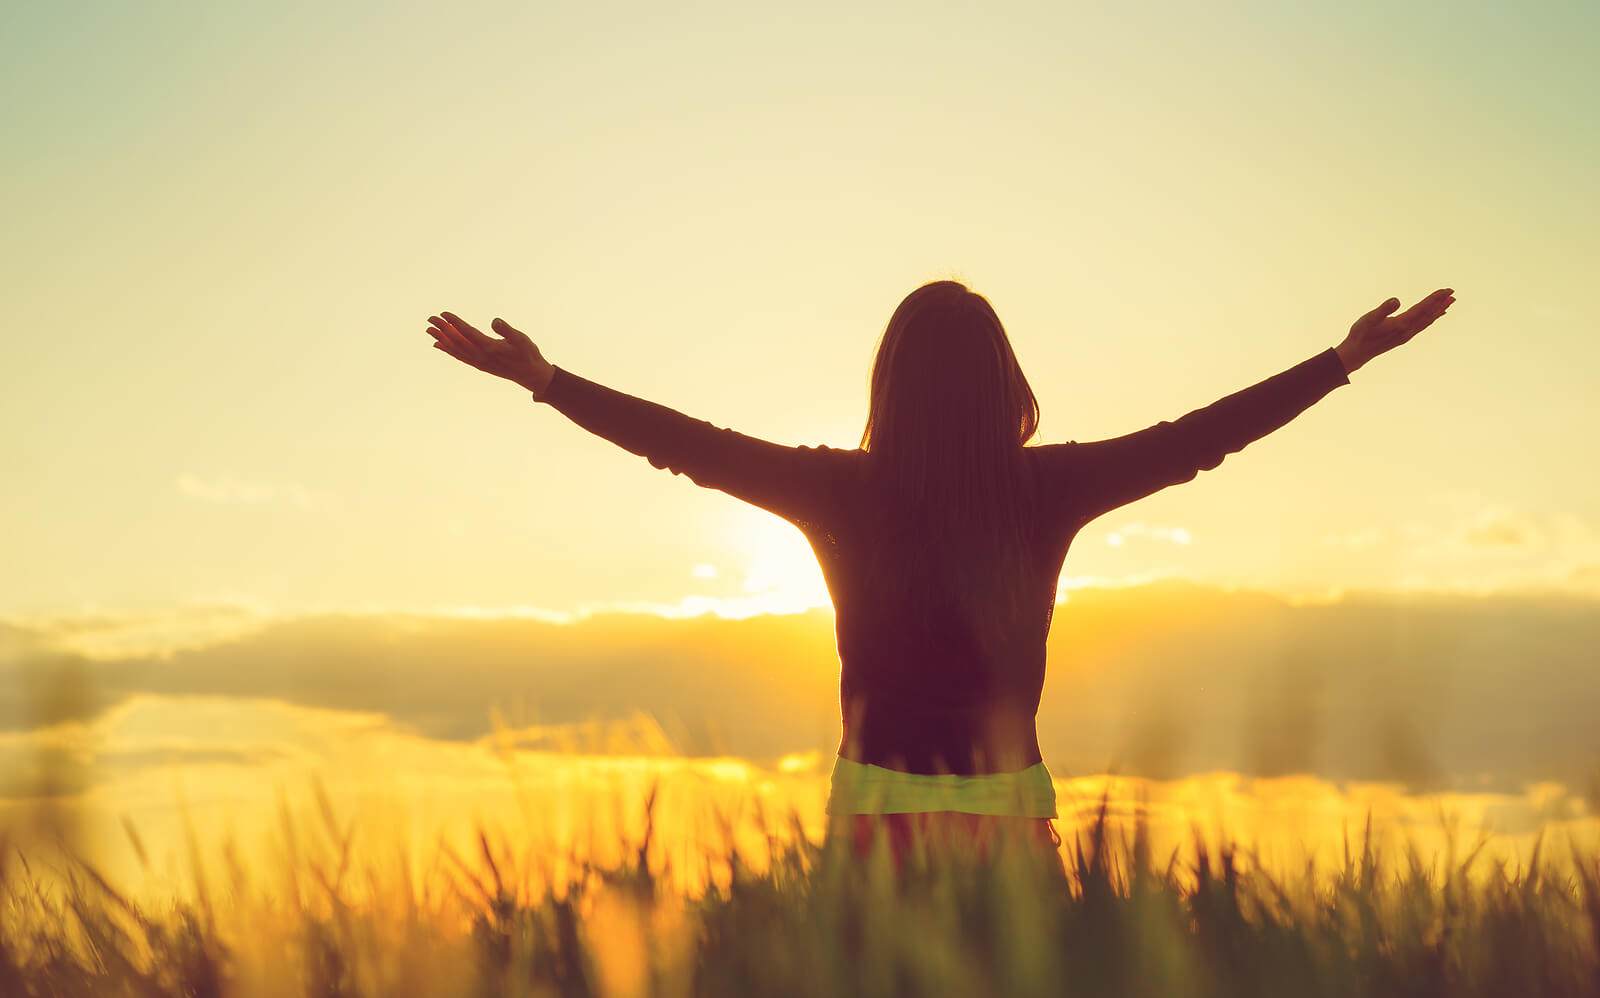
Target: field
x,y
801,917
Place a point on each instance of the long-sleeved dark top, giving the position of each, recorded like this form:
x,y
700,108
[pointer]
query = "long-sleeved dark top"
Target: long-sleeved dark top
x,y
912,698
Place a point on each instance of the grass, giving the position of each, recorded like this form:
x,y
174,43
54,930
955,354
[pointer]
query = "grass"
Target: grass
x,y
810,920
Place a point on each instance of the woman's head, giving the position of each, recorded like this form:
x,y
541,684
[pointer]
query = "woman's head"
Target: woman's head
x,y
946,422
945,372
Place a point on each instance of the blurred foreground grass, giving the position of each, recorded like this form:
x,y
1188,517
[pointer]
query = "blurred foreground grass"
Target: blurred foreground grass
x,y
809,919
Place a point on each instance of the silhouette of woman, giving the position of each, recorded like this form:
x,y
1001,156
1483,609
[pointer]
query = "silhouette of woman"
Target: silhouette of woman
x,y
941,539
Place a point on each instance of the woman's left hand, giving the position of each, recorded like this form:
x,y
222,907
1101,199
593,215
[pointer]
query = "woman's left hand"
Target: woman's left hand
x,y
514,358
1380,331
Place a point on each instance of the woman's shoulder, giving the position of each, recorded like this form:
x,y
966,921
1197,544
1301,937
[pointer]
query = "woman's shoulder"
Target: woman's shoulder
x,y
839,457
1052,456
843,466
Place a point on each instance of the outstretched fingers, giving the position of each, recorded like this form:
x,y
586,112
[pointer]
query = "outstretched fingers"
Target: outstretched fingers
x,y
450,334
467,330
452,341
1431,307
1422,315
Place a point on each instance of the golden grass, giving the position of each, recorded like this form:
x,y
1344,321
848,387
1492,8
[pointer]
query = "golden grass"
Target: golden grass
x,y
806,919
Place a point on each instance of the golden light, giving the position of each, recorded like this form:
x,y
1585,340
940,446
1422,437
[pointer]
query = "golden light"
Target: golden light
x,y
781,573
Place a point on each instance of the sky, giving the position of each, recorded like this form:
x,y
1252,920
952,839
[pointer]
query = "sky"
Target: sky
x,y
223,229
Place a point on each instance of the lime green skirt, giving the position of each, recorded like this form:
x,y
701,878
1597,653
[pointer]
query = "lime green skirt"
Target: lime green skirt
x,y
858,788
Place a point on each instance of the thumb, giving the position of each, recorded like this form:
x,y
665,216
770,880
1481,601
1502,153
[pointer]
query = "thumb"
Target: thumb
x,y
1387,308
505,329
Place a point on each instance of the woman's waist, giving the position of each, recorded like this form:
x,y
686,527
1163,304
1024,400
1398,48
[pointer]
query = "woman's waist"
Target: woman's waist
x,y
935,746
993,736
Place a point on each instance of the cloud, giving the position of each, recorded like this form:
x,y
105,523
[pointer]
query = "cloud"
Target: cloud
x,y
1172,535
1170,679
637,735
1498,528
154,734
709,682
1356,539
1482,546
800,762
225,489
42,687
47,763
110,635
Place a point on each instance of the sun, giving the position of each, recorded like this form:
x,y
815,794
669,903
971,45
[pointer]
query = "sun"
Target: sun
x,y
779,568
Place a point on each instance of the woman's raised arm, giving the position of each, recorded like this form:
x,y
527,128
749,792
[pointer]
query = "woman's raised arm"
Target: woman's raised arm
x,y
1095,478
796,483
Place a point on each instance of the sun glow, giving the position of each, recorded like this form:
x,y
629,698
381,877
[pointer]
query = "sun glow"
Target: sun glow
x,y
781,570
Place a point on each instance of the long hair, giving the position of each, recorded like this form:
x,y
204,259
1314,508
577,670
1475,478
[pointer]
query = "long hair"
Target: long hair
x,y
949,413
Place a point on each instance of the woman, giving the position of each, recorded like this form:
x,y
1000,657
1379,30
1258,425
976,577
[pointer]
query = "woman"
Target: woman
x,y
941,539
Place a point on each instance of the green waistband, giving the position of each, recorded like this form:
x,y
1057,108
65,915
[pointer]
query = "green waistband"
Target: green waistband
x,y
858,788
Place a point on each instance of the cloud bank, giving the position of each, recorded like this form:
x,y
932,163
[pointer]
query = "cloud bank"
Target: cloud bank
x,y
1165,681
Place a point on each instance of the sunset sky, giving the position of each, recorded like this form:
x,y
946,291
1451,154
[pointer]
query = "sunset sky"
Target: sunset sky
x,y
226,227
223,229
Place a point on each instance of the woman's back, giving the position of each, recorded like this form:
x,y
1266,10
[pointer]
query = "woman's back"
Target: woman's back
x,y
934,678
932,683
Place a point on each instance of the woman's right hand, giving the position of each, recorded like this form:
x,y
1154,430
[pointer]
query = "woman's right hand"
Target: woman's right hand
x,y
514,358
1378,331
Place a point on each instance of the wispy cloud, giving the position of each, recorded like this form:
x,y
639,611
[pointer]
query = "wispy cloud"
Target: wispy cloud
x,y
1356,540
1480,545
1498,529
120,634
1172,535
226,489
771,602
639,734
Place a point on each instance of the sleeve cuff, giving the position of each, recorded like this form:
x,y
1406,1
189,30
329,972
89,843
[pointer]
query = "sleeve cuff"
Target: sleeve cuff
x,y
1340,375
554,388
